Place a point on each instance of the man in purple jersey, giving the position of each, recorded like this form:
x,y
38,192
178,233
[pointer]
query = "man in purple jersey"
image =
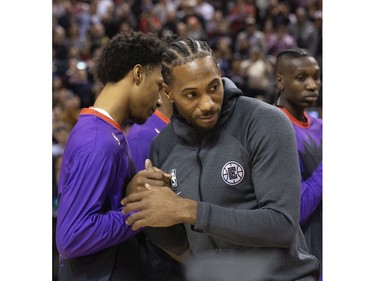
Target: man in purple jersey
x,y
298,81
92,237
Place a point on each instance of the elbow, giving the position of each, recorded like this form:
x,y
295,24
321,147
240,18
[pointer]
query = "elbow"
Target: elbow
x,y
287,241
287,235
67,246
65,250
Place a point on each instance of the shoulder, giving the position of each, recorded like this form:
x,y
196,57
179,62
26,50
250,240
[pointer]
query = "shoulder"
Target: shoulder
x,y
140,132
259,111
100,138
163,143
166,136
315,120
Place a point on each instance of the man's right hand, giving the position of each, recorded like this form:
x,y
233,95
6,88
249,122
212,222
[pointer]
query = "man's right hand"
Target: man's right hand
x,y
151,175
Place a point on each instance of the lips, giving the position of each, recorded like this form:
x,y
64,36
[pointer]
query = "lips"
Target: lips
x,y
311,98
209,119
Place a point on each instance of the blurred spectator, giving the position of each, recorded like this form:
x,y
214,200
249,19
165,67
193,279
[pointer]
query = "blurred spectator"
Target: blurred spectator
x,y
96,37
65,16
181,29
110,22
313,6
60,49
59,8
187,10
212,26
194,29
205,9
87,17
81,86
315,45
163,9
240,10
73,36
261,12
66,108
148,21
235,74
219,28
124,13
103,8
252,36
223,54
268,30
302,29
280,39
257,71
125,26
280,12
221,5
60,135
169,26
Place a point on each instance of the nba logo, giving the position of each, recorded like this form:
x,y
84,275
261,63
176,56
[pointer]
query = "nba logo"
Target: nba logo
x,y
174,178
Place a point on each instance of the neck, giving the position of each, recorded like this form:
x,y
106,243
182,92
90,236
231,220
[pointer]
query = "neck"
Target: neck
x,y
113,101
167,110
297,113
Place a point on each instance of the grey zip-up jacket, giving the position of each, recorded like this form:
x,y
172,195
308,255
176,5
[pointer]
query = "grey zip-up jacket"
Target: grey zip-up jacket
x,y
245,176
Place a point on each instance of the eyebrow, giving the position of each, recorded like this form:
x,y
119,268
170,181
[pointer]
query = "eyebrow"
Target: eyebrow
x,y
209,84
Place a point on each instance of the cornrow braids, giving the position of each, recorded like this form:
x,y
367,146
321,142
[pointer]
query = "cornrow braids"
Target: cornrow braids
x,y
288,54
183,51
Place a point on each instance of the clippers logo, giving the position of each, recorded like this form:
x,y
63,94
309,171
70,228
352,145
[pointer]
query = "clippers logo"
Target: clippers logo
x,y
232,173
174,178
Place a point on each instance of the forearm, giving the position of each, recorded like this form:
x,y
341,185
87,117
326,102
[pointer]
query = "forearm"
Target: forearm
x,y
92,233
311,194
253,228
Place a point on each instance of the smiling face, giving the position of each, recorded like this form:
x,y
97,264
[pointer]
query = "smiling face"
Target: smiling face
x,y
299,83
146,99
197,91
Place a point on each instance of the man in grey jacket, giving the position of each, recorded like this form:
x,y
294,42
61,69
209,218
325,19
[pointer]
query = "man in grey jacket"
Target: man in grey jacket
x,y
235,180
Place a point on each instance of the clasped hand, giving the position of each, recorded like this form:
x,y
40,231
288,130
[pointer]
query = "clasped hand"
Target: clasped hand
x,y
150,195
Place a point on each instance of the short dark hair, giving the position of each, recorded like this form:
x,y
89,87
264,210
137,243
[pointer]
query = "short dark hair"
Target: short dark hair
x,y
291,54
182,51
118,57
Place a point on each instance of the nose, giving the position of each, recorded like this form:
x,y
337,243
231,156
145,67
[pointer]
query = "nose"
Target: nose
x,y
206,103
311,84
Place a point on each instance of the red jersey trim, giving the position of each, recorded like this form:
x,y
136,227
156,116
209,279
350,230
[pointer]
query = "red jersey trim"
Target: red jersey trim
x,y
295,121
101,116
164,118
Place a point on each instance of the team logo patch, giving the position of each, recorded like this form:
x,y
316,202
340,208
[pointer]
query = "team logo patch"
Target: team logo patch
x,y
232,173
174,178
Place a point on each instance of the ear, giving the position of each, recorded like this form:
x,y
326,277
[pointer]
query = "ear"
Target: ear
x,y
159,101
138,73
167,92
218,69
279,81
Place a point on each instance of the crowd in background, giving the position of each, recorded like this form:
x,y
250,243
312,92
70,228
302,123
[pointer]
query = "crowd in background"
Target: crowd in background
x,y
246,36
